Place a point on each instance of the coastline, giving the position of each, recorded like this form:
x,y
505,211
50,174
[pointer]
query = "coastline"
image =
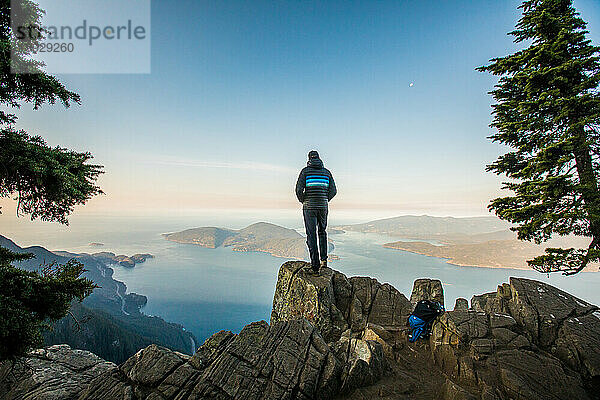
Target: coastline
x,y
451,261
188,242
233,248
241,250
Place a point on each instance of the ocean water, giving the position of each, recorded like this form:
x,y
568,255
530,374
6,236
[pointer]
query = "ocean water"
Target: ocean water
x,y
207,290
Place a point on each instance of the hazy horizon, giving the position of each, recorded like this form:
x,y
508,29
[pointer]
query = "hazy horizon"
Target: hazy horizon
x,y
28,233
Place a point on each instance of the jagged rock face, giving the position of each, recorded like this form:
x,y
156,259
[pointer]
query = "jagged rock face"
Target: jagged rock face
x,y
541,309
479,302
334,303
427,289
364,362
337,337
288,360
556,321
504,339
300,295
461,304
56,372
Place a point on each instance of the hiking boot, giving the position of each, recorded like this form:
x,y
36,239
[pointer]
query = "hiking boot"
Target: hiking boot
x,y
323,263
311,271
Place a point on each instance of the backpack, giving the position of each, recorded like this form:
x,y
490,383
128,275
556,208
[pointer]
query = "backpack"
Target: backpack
x,y
422,317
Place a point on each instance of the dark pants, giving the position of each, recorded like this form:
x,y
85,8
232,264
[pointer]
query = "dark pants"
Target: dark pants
x,y
315,221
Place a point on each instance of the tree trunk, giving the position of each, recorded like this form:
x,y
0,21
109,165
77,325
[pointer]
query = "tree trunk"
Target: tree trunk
x,y
589,193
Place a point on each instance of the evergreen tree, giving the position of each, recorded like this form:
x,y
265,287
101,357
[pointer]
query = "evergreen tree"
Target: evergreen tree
x,y
548,113
35,87
29,300
47,182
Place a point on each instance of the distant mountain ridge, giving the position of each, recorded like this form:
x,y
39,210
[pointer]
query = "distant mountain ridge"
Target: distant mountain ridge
x,y
110,323
425,226
261,236
471,241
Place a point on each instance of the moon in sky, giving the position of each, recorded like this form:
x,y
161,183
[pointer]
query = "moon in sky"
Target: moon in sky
x,y
411,84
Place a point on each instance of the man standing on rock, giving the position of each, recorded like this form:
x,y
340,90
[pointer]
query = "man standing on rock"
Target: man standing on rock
x,y
314,189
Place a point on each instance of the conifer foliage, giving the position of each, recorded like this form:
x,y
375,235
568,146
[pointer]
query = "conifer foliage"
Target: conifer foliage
x,y
547,112
47,183
30,300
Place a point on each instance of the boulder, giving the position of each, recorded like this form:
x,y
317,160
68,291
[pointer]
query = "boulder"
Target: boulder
x,y
151,365
510,333
541,309
299,294
578,344
427,289
451,335
479,302
211,349
461,304
460,326
382,336
334,303
376,303
287,360
55,372
529,375
556,321
364,362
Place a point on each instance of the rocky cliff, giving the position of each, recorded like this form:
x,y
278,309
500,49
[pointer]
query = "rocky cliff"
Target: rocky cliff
x,y
332,336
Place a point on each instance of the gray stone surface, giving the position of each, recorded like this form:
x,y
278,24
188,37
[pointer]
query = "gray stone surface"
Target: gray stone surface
x,y
56,372
427,289
334,303
498,320
461,304
288,360
527,340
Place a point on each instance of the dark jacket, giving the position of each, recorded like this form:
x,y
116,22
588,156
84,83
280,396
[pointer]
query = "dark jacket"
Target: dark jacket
x,y
315,186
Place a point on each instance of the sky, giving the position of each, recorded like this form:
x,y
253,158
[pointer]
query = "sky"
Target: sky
x,y
240,91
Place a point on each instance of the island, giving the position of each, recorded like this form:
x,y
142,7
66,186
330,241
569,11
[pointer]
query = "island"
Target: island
x,y
96,244
275,240
432,228
474,241
123,260
492,254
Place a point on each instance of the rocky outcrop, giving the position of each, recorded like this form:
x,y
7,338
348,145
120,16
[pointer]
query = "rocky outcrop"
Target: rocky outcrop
x,y
288,360
427,289
461,304
336,337
499,344
54,373
334,303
